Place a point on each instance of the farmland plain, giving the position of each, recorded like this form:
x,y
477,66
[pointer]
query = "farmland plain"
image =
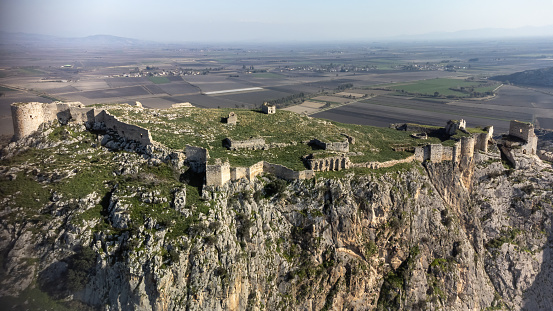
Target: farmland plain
x,y
160,75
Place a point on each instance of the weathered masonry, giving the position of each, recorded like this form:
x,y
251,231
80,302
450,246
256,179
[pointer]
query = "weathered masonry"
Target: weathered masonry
x,y
525,132
340,146
329,164
268,109
252,143
521,143
463,147
27,118
219,174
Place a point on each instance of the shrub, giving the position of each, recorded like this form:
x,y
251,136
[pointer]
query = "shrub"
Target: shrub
x,y
275,187
80,267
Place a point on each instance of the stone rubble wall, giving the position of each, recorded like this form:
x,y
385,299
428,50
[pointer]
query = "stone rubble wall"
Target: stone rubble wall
x,y
283,172
253,143
351,139
246,172
129,131
237,173
377,165
521,130
27,117
196,158
220,173
340,146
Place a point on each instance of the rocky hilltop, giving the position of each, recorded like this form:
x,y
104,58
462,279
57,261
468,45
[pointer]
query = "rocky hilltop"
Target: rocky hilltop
x,y
91,220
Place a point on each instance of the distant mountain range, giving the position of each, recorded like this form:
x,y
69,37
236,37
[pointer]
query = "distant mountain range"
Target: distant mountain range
x,y
7,38
538,77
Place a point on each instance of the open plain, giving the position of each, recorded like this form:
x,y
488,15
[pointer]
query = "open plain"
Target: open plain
x,y
373,84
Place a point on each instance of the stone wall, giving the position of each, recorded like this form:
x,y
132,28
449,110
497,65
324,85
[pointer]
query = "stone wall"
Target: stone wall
x,y
217,174
438,153
129,131
467,146
254,170
351,139
521,130
456,156
377,165
246,172
329,164
286,173
252,143
268,109
238,173
27,117
232,118
481,140
340,146
196,158
452,126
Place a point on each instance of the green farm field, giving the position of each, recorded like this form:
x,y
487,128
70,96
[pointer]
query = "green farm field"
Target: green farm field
x,y
159,80
445,87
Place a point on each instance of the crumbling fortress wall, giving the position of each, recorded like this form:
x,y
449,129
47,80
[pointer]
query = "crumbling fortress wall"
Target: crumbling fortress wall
x,y
252,143
219,173
197,158
27,118
129,131
329,164
520,146
340,146
525,132
464,147
268,108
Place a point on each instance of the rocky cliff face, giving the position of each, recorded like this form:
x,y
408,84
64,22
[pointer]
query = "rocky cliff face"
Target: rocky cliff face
x,y
138,236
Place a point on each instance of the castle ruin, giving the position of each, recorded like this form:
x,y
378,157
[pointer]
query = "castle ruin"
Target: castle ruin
x,y
28,117
339,146
232,118
268,108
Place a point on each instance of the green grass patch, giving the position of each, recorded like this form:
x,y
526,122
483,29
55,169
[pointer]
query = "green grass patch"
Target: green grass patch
x,y
32,299
445,87
159,80
31,71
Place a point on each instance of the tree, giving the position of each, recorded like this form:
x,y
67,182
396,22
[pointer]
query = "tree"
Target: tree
x,y
436,94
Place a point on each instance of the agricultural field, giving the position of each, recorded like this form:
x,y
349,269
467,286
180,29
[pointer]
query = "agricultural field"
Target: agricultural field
x,y
383,110
445,87
158,76
307,107
254,98
332,99
159,80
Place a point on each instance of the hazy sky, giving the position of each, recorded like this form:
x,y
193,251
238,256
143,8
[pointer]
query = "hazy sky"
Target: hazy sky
x,y
264,20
